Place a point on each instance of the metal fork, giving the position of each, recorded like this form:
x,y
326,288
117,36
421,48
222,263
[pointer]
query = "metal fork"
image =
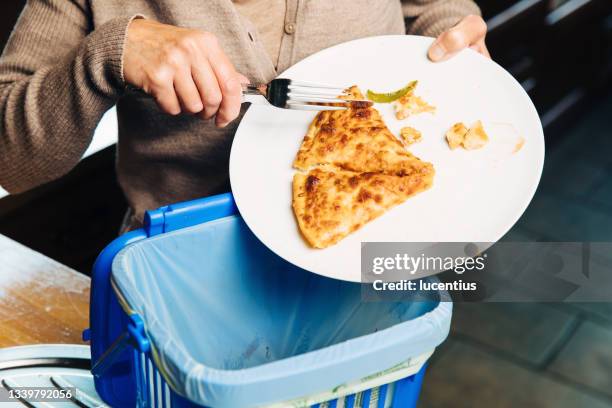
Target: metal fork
x,y
290,94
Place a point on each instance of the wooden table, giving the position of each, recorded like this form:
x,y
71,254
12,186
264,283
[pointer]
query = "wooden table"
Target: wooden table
x,y
41,300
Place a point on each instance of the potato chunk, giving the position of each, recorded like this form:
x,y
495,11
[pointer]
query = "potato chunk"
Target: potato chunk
x,y
411,104
470,139
476,137
455,135
410,135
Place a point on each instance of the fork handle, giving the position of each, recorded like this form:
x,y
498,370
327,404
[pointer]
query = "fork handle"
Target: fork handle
x,y
248,89
253,94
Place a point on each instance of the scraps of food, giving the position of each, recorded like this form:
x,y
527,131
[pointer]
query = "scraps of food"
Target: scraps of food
x,y
410,135
471,138
388,97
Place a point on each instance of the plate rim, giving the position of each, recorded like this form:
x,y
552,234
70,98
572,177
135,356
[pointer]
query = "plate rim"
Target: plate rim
x,y
530,106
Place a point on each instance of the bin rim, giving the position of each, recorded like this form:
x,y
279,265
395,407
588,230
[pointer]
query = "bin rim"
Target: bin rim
x,y
442,310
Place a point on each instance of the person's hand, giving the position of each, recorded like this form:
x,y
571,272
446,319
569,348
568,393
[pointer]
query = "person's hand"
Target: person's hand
x,y
469,32
185,70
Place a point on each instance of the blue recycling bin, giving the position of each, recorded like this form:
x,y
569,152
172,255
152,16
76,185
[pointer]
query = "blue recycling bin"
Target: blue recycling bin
x,y
192,310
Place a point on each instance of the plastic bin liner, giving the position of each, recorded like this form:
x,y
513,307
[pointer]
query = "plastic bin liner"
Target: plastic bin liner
x,y
232,324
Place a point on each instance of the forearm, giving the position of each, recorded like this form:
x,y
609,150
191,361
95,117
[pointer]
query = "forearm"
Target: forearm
x,y
50,109
432,17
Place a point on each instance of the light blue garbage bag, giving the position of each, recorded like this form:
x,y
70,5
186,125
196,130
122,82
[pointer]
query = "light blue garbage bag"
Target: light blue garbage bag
x,y
232,324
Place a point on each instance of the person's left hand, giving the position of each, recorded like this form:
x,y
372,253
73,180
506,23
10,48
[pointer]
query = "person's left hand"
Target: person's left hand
x,y
469,32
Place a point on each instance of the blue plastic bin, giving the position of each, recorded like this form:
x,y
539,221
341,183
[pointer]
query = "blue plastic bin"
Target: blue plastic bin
x,y
192,310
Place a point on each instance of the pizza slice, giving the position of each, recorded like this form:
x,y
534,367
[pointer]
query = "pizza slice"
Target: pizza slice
x,y
355,139
330,203
353,169
359,149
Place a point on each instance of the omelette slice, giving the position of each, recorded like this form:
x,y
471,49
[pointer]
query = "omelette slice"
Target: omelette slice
x,y
355,139
352,169
330,203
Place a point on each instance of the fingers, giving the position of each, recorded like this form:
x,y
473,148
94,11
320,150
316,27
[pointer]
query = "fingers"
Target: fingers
x,y
169,82
162,89
231,102
481,48
468,32
188,72
218,83
229,85
187,92
208,88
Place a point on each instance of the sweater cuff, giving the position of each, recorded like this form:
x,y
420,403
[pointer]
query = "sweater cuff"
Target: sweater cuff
x,y
435,20
103,55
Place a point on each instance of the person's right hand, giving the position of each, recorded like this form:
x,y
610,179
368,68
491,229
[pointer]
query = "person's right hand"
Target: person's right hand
x,y
185,70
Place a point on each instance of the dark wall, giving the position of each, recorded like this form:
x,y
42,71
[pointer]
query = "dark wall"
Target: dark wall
x,y
560,51
9,11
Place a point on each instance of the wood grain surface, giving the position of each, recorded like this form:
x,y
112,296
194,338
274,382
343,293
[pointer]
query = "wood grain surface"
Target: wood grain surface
x,y
41,300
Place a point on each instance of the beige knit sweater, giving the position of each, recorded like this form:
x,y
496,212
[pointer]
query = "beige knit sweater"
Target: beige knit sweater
x,y
62,69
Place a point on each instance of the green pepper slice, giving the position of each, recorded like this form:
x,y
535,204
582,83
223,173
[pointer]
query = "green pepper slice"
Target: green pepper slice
x,y
391,96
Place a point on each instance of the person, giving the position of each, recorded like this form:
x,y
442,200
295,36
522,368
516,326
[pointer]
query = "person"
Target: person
x,y
68,61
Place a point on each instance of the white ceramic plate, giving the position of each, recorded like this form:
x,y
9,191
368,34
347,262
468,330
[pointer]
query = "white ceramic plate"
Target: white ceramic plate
x,y
477,195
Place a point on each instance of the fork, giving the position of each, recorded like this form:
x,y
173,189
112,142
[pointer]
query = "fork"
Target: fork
x,y
290,94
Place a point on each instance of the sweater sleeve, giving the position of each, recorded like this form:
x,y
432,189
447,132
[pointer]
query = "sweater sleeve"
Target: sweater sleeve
x,y
57,78
432,17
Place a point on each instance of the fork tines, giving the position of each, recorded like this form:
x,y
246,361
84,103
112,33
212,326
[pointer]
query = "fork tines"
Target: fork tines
x,y
310,96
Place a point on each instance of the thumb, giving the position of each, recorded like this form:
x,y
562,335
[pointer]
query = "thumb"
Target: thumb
x,y
469,31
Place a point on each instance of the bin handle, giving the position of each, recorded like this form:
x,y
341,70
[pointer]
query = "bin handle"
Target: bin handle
x,y
134,336
103,303
181,215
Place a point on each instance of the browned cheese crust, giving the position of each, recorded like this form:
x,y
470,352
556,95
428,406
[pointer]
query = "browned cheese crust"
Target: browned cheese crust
x,y
353,170
330,203
357,140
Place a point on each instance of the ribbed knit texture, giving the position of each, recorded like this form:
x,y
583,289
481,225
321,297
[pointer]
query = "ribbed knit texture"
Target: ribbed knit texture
x,y
432,17
62,70
57,78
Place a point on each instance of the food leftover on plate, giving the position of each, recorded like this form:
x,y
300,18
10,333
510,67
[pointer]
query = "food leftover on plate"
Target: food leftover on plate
x,y
351,170
471,138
